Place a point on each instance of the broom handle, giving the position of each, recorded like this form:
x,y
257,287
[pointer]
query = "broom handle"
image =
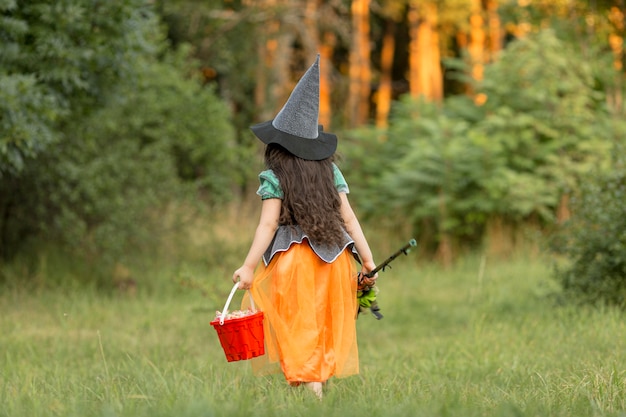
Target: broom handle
x,y
230,297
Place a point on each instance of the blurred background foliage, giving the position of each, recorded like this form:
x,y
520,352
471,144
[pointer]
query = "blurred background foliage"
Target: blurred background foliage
x,y
468,124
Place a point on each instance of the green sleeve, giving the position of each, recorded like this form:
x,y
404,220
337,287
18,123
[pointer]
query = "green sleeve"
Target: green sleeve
x,y
270,187
340,181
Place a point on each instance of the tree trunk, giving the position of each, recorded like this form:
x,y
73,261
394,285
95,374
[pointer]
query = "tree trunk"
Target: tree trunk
x,y
273,82
327,48
476,47
425,75
414,50
499,235
444,250
616,42
384,96
282,84
436,73
495,29
563,212
360,73
461,40
260,87
310,35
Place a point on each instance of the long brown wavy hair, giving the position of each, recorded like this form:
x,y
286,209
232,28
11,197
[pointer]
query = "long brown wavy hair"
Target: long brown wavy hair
x,y
311,200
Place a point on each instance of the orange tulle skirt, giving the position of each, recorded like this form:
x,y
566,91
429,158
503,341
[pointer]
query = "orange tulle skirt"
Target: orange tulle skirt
x,y
310,310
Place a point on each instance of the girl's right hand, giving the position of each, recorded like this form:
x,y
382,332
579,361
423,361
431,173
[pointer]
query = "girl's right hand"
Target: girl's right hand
x,y
245,276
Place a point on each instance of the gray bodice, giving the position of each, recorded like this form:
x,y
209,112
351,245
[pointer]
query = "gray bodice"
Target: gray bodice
x,y
287,235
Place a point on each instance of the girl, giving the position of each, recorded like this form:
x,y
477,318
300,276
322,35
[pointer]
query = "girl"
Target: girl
x,y
307,237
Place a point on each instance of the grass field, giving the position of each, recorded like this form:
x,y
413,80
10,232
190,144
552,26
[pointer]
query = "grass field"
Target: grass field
x,y
481,339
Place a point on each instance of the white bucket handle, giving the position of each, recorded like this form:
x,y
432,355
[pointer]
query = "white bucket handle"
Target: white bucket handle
x,y
230,297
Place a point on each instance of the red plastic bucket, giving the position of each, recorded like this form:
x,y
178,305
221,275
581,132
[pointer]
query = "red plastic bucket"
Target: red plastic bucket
x,y
241,338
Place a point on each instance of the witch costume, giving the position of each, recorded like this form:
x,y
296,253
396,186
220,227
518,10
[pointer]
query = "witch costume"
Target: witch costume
x,y
306,290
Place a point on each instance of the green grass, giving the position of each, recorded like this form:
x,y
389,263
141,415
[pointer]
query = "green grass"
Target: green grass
x,y
481,339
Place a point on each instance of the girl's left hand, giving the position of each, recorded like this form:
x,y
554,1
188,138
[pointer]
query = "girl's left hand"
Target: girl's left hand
x,y
366,268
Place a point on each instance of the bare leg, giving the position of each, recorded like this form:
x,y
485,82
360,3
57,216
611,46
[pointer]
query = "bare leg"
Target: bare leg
x,y
316,387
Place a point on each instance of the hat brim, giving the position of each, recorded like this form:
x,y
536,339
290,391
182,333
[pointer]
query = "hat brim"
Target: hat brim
x,y
324,146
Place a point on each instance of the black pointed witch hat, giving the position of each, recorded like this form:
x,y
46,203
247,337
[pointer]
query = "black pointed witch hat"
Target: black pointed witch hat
x,y
295,127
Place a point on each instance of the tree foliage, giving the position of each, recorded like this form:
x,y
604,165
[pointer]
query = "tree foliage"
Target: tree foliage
x,y
543,125
132,139
548,121
102,120
57,62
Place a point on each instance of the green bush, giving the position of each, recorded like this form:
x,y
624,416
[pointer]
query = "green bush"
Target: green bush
x,y
594,241
447,169
432,174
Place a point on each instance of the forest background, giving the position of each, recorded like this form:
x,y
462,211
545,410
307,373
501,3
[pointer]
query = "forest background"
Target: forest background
x,y
491,131
472,125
